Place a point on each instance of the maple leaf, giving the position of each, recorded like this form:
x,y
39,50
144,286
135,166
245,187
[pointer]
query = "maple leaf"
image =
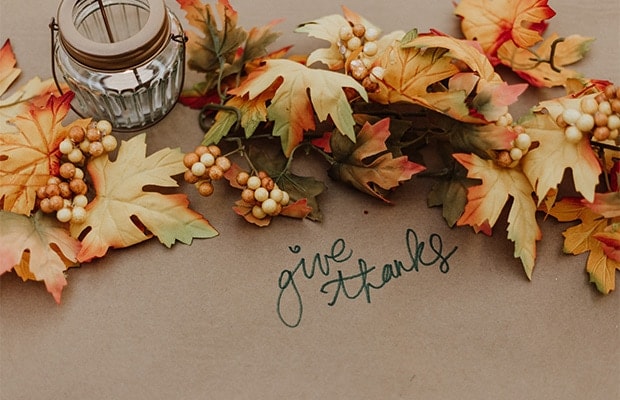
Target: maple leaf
x,y
416,71
545,165
492,23
29,157
8,72
302,93
490,95
38,248
215,48
252,113
367,164
610,241
123,213
584,237
485,202
34,93
530,65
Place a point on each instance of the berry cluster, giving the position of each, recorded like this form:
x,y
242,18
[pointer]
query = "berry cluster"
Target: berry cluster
x,y
65,194
262,194
360,43
598,117
520,146
204,165
95,140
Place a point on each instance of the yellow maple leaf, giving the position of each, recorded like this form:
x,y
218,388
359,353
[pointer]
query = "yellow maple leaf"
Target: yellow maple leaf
x,y
123,213
545,165
38,248
303,93
582,238
486,201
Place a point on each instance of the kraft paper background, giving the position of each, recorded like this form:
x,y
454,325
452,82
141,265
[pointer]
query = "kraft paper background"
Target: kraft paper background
x,y
200,321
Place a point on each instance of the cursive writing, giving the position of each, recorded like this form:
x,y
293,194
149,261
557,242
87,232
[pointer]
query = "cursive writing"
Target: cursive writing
x,y
360,283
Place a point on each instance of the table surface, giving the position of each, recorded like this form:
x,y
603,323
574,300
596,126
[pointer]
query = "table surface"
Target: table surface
x,y
200,321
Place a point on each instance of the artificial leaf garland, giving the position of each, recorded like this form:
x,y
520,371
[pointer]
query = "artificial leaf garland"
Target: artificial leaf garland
x,y
384,96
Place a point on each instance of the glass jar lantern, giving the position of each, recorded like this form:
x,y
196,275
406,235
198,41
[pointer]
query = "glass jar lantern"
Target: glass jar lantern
x,y
123,59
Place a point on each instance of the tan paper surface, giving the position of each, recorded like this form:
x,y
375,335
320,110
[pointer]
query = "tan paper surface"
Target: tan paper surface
x,y
202,321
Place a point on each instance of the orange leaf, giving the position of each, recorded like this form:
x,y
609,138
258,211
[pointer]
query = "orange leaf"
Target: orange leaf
x,y
303,93
123,213
38,248
485,202
416,71
8,72
368,165
29,157
493,23
540,74
34,93
586,237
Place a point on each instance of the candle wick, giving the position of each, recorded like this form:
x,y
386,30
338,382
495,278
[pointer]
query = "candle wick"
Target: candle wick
x,y
105,21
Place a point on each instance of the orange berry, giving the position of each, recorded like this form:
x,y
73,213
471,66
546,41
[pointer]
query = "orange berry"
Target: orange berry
x,y
190,159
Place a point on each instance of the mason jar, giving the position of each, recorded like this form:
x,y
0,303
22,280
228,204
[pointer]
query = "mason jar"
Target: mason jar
x,y
123,59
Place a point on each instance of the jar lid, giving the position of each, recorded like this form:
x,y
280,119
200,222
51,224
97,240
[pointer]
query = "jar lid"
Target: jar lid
x,y
119,55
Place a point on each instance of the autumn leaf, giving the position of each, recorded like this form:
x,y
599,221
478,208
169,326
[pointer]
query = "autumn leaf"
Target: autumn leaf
x,y
492,23
531,65
451,194
215,45
486,201
610,241
8,71
584,238
38,248
123,213
367,164
252,113
545,165
446,75
302,93
34,93
488,95
29,157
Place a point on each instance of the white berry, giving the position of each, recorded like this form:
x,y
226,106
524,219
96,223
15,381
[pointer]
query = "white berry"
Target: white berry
x,y
573,134
78,215
63,215
516,153
585,123
269,206
261,194
80,201
253,182
66,146
523,141
570,115
199,169
207,159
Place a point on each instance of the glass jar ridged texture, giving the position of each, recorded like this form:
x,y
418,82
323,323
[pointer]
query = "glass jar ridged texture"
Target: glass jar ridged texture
x,y
125,63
